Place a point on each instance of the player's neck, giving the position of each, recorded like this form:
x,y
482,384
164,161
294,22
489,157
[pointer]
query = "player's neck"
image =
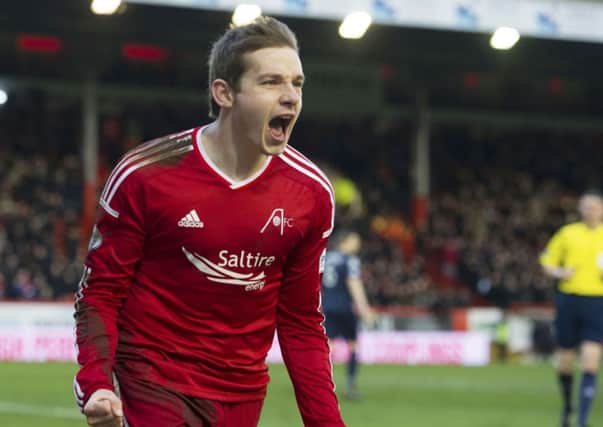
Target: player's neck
x,y
236,158
592,224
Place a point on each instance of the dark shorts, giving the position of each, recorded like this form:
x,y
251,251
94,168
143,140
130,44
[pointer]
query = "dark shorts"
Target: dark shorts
x,y
341,325
150,405
578,319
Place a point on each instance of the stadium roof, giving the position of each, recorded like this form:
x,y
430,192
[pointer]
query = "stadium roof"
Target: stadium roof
x,y
456,68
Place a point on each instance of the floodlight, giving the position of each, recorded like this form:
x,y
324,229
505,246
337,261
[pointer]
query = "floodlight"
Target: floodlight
x,y
105,7
3,97
504,38
245,14
354,25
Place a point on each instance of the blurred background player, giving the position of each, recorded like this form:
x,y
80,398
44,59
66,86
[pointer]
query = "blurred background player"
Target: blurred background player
x,y
574,255
344,299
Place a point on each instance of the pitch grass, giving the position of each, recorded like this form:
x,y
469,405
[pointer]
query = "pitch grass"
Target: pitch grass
x,y
394,396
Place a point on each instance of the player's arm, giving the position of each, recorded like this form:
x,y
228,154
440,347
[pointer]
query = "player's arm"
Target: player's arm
x,y
114,252
299,327
552,258
356,289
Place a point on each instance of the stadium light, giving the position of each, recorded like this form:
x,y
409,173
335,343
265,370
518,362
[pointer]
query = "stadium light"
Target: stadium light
x,y
354,25
105,7
3,97
245,14
504,38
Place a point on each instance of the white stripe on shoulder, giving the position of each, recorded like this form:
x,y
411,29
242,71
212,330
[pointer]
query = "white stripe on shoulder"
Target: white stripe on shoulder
x,y
106,201
145,150
316,178
304,160
108,209
127,158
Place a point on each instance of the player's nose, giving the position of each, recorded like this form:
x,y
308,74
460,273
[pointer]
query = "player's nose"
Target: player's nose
x,y
291,95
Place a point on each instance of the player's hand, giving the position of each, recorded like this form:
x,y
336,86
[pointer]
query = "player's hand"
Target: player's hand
x,y
104,409
565,273
368,316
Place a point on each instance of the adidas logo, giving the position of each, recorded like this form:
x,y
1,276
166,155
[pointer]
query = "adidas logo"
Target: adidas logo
x,y
191,220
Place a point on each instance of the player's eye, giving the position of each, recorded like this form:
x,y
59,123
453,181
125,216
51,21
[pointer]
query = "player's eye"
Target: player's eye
x,y
270,82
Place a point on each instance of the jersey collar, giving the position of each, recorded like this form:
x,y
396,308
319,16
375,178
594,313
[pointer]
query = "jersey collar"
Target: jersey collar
x,y
232,184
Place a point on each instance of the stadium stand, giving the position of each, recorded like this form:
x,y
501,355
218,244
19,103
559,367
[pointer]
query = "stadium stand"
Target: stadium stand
x,y
40,180
487,226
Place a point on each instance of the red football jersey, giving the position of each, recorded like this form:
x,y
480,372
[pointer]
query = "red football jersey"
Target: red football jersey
x,y
189,274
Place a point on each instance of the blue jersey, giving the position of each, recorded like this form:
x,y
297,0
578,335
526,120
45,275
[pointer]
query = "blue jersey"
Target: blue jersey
x,y
338,269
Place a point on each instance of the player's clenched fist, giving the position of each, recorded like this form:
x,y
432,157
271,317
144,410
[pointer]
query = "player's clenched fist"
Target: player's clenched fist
x,y
104,410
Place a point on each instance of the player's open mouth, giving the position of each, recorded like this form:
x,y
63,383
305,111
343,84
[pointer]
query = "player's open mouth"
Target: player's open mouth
x,y
279,127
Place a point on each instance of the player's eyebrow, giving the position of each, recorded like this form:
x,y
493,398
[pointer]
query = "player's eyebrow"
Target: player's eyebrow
x,y
270,76
276,76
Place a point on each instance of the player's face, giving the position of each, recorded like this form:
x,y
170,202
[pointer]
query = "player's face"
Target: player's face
x,y
353,243
269,101
591,209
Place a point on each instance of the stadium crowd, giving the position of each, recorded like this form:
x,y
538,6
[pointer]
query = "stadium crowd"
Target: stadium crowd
x,y
493,205
40,199
498,202
496,199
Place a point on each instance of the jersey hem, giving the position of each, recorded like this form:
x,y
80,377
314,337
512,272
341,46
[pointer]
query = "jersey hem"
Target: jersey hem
x,y
580,294
206,393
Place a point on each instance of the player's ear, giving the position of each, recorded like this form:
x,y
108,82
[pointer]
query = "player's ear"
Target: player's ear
x,y
222,93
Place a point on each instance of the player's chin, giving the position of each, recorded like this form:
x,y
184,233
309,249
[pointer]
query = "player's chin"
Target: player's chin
x,y
274,150
274,147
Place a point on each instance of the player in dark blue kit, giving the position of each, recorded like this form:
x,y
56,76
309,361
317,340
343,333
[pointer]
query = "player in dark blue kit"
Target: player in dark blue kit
x,y
344,299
